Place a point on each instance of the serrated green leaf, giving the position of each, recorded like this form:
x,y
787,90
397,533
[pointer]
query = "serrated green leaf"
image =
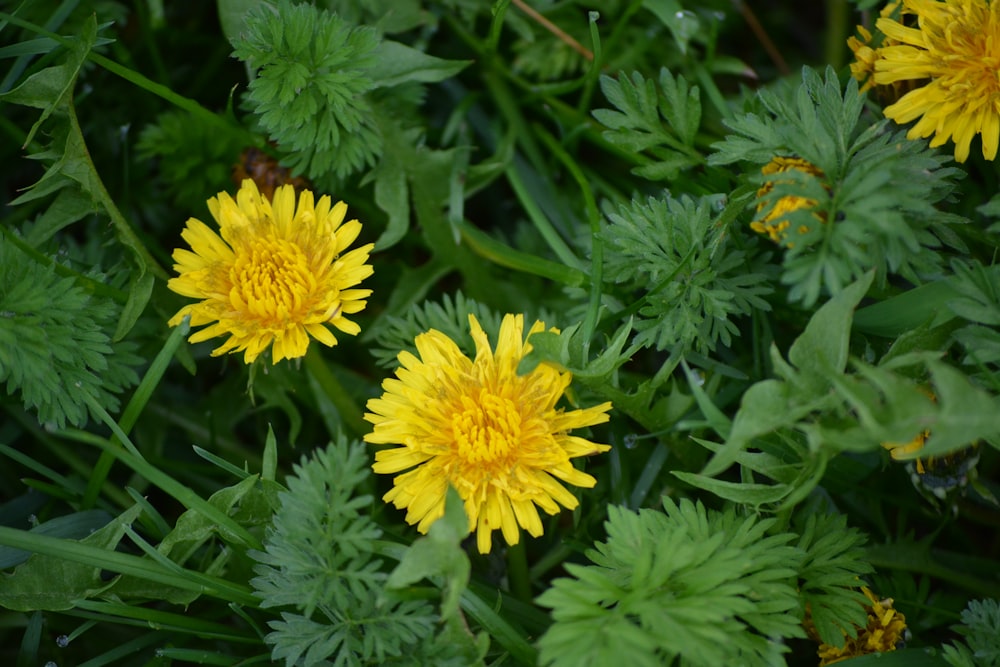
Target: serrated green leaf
x,y
681,106
666,168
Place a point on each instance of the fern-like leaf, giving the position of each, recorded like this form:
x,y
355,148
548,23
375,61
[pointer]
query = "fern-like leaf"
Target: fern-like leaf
x,y
981,627
195,157
829,577
55,343
309,91
319,560
696,284
875,199
660,120
690,585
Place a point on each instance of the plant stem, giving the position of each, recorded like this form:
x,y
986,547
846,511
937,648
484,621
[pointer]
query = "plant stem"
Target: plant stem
x,y
517,572
350,415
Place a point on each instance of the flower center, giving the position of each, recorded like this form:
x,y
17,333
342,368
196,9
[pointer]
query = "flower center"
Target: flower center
x,y
487,430
272,281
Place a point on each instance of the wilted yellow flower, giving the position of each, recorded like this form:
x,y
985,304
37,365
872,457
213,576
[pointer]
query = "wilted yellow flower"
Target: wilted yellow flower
x,y
955,51
901,451
279,273
494,435
884,632
936,477
775,222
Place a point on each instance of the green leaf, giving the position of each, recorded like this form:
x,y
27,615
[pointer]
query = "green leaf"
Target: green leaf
x,y
392,193
140,289
397,63
50,583
439,556
822,347
683,25
309,92
101,558
820,353
766,406
698,587
830,574
323,526
232,16
967,413
69,206
566,350
72,526
904,312
52,88
747,493
54,345
270,459
637,124
716,418
692,282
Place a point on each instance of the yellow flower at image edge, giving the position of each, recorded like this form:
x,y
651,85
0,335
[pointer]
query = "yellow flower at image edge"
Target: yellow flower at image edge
x,y
277,275
885,631
956,49
475,424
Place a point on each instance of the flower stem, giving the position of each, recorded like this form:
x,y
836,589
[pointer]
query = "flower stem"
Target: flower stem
x,y
350,416
517,572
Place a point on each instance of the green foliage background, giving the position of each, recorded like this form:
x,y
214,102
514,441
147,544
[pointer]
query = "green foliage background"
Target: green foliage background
x,y
596,168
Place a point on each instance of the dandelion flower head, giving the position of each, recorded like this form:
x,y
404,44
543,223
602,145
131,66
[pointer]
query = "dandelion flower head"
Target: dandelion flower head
x,y
275,275
775,222
866,52
475,424
863,67
955,51
885,631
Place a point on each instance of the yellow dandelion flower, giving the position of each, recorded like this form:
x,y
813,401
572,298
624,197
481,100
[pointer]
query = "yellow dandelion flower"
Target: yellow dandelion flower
x,y
278,274
775,223
956,50
494,435
866,51
884,632
863,67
